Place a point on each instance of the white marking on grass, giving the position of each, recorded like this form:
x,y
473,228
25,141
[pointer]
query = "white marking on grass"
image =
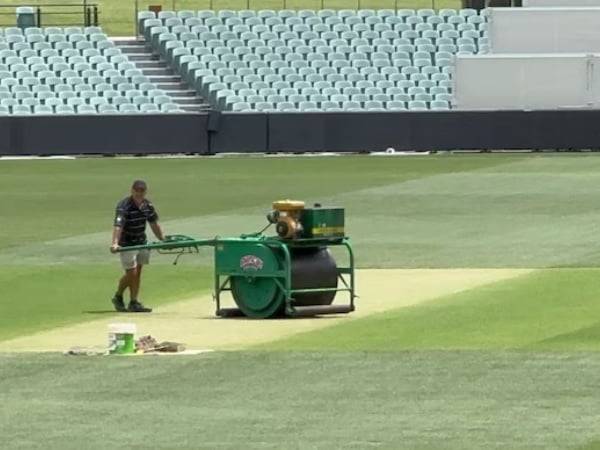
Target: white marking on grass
x,y
40,158
217,155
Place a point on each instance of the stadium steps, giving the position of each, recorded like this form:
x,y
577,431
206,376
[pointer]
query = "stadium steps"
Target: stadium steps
x,y
162,75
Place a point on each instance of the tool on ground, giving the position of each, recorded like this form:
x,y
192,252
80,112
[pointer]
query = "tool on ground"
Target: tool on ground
x,y
148,344
121,341
292,273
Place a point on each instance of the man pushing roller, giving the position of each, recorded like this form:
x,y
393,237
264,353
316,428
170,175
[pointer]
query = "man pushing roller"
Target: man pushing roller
x,y
130,229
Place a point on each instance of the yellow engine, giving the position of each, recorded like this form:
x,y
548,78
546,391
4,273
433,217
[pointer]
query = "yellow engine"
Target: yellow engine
x,y
286,217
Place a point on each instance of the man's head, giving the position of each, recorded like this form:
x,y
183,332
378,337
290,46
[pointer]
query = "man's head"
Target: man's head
x,y
138,190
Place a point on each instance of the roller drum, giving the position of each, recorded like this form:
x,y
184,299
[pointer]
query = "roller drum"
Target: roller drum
x,y
312,268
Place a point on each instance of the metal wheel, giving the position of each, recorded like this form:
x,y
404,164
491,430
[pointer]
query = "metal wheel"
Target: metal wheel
x,y
257,297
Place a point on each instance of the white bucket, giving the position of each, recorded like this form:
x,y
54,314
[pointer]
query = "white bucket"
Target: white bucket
x,y
121,338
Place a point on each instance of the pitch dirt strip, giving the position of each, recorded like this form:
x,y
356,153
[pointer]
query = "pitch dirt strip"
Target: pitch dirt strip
x,y
193,322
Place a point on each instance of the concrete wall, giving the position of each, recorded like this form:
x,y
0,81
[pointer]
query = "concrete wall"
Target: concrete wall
x,y
526,82
544,30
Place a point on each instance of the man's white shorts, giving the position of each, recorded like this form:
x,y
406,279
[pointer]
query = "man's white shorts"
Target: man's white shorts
x,y
130,260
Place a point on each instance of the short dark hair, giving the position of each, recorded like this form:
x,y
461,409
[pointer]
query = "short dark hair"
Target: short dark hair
x,y
139,185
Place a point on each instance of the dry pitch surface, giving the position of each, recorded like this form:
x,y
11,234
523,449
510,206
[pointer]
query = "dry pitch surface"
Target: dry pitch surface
x,y
192,321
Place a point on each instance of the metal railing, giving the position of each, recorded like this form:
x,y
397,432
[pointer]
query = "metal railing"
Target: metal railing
x,y
176,5
53,14
316,4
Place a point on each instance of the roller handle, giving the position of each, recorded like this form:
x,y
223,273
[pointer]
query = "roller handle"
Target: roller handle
x,y
171,242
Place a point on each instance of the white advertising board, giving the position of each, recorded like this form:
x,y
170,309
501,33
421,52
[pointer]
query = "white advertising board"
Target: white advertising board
x,y
524,82
544,30
555,3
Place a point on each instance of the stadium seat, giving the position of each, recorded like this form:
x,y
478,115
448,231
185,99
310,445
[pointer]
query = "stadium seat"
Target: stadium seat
x,y
64,71
128,108
417,105
107,109
313,51
440,105
21,110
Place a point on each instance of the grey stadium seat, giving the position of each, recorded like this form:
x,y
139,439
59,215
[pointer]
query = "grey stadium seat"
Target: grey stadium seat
x,y
317,50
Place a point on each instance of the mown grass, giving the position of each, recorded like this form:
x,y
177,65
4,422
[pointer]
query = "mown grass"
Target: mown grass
x,y
459,211
57,217
39,297
117,17
547,310
510,365
357,400
78,196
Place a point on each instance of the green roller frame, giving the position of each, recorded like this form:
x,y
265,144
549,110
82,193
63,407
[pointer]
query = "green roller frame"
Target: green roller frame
x,y
257,270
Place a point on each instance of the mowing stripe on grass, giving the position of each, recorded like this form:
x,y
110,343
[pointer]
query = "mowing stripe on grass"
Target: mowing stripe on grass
x,y
73,233
551,309
193,321
419,400
35,298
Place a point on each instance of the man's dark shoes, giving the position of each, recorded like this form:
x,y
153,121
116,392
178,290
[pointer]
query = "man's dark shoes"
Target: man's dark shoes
x,y
118,303
135,306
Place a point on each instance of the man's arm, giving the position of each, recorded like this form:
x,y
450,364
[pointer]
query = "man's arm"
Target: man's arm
x,y
153,221
118,224
157,230
116,237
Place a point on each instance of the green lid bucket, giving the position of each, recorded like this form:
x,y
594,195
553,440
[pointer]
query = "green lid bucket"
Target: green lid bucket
x,y
121,338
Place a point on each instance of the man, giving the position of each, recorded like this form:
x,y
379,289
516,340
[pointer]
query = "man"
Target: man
x,y
130,229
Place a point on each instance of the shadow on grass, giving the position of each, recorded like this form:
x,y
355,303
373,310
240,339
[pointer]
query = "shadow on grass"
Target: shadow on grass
x,y
585,335
273,319
100,312
592,445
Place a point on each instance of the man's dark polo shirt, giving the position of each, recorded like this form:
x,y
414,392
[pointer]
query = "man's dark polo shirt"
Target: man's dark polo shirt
x,y
132,220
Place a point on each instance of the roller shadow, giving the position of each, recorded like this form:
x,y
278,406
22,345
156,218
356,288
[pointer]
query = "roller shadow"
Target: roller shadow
x,y
273,319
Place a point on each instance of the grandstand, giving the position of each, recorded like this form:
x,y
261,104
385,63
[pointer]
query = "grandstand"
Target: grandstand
x,y
325,60
73,71
264,61
303,81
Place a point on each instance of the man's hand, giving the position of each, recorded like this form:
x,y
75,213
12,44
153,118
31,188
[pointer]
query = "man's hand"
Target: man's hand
x,y
115,239
157,230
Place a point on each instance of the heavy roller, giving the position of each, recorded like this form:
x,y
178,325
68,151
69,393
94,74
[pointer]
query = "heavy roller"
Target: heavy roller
x,y
290,274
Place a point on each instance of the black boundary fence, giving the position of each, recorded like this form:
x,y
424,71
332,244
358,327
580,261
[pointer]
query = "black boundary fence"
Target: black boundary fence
x,y
300,132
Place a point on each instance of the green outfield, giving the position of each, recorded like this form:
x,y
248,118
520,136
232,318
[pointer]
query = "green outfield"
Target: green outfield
x,y
400,400
493,341
117,16
548,310
57,217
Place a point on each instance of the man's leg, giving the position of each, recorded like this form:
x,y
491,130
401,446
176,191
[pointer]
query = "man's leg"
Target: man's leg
x,y
135,305
128,263
124,282
134,287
